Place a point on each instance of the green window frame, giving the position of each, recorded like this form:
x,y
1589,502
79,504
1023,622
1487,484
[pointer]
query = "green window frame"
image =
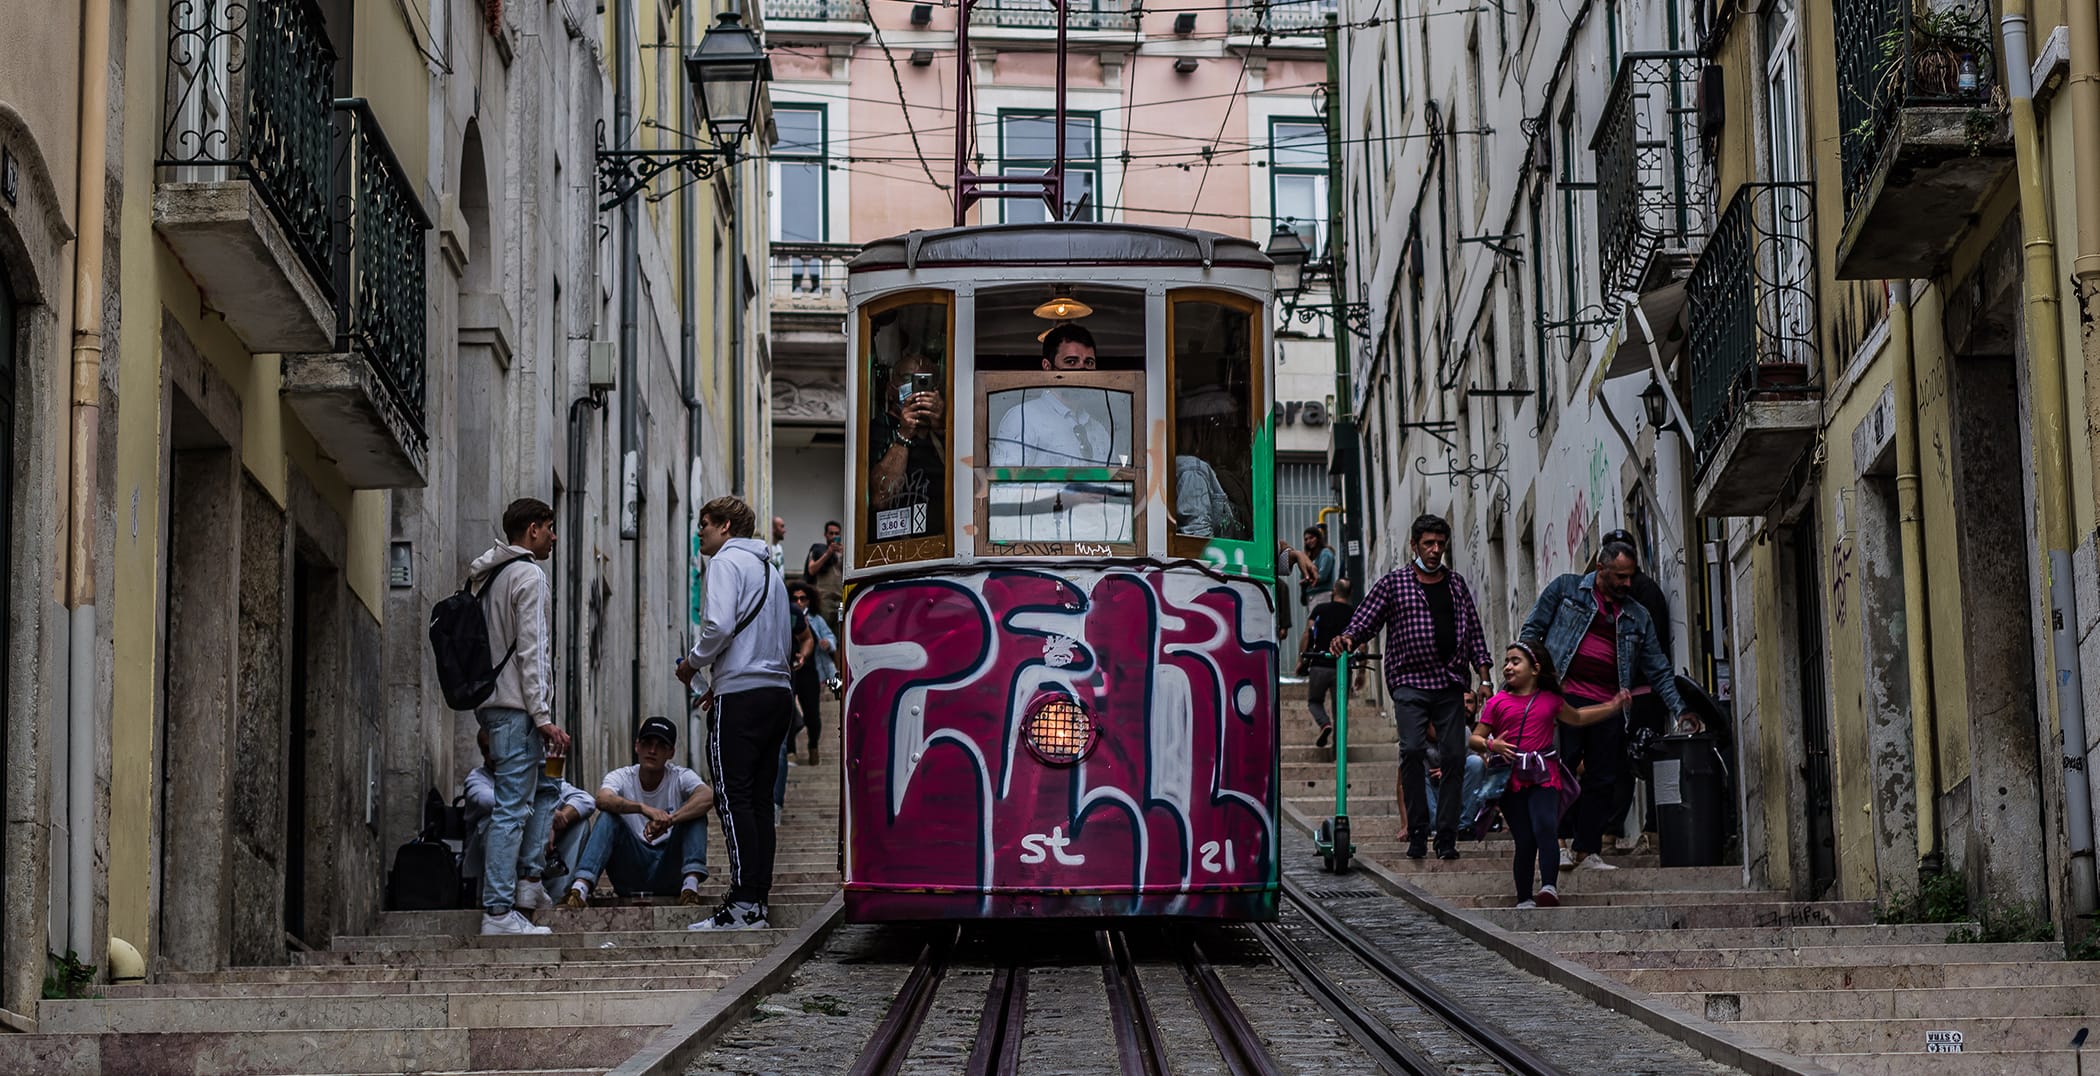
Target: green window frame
x,y
799,153
1293,143
1088,165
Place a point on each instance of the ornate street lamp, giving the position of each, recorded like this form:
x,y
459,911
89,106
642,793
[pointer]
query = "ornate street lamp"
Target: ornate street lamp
x,y
1296,272
1287,249
729,71
1656,403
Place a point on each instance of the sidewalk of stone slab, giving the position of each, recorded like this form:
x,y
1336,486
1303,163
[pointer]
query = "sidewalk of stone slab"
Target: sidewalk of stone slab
x,y
1750,977
427,993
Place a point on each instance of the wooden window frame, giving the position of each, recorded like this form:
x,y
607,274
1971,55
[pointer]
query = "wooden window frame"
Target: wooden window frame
x,y
941,544
1130,381
1191,547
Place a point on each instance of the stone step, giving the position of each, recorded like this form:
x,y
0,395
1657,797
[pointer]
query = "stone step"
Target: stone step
x,y
541,949
252,1053
513,974
2018,1034
559,978
1494,879
1681,916
1969,1062
1909,976
1868,935
1902,1004
789,907
1374,838
1623,899
395,1011
1778,957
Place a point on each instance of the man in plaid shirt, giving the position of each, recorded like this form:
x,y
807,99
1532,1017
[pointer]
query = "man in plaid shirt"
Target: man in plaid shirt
x,y
1436,669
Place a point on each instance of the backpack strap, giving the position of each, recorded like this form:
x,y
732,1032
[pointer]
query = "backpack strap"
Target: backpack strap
x,y
488,585
765,592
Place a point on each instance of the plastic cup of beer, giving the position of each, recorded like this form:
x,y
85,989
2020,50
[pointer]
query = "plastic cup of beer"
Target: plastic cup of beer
x,y
556,766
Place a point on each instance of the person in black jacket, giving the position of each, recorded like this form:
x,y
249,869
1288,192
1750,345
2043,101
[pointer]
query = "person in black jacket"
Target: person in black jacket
x,y
1647,710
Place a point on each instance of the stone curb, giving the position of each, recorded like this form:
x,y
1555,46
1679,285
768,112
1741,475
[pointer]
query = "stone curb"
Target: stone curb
x,y
670,1050
1712,1040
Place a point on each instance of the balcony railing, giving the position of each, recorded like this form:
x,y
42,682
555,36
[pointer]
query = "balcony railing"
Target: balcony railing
x,y
1248,16
1897,54
1042,14
809,277
250,86
1654,189
1751,308
817,10
379,230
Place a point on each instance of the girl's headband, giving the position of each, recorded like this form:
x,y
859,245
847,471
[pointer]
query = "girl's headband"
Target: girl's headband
x,y
1528,651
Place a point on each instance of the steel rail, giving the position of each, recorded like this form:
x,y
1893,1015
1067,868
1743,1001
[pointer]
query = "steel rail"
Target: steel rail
x,y
1393,1053
891,1044
998,1047
1138,1043
1238,1043
1480,1031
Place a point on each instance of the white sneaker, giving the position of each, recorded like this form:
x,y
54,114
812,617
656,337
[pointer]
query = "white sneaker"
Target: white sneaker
x,y
742,915
511,923
1595,862
1627,845
1548,897
532,896
1526,904
1567,859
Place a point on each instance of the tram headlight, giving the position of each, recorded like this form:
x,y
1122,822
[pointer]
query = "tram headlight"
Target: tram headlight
x,y
1058,730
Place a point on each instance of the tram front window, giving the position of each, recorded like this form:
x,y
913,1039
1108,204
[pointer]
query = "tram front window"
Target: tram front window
x,y
907,349
1215,361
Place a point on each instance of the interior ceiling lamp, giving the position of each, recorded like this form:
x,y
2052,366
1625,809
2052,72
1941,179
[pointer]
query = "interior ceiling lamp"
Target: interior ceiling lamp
x,y
1064,308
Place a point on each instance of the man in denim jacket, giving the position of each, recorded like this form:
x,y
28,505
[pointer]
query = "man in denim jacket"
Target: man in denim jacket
x,y
1601,641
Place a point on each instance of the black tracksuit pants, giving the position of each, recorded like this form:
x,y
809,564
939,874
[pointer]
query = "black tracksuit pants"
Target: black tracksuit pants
x,y
743,756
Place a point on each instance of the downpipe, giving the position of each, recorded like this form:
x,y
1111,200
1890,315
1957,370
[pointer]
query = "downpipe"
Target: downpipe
x,y
86,425
2052,454
1917,625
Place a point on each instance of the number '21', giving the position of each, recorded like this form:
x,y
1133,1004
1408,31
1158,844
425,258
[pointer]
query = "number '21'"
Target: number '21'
x,y
1210,857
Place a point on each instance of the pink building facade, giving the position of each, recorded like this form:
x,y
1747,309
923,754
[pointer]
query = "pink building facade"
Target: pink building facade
x,y
1193,115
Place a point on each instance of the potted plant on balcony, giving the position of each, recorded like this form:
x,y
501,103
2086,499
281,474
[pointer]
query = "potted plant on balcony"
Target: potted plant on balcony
x,y
1950,53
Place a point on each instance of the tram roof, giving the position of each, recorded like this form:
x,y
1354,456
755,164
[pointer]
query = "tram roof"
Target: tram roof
x,y
1059,243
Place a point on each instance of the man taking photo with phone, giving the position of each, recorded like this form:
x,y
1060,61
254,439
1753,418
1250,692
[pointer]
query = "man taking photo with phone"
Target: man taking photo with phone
x,y
824,570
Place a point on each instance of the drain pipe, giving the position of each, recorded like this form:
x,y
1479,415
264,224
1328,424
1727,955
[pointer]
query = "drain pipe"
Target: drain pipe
x,y
2052,454
1917,627
688,344
86,402
579,550
629,45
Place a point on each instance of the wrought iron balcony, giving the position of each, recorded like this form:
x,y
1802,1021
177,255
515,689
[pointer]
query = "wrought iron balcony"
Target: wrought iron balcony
x,y
364,401
1042,14
1253,16
817,11
809,278
1752,346
242,191
1655,193
1922,138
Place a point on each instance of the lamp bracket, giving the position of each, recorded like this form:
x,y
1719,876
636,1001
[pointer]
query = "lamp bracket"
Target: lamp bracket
x,y
1490,472
1354,316
1434,429
624,173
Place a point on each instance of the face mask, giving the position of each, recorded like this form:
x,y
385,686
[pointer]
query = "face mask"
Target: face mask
x,y
1438,570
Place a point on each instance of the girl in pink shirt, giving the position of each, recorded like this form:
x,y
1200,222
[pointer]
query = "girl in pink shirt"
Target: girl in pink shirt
x,y
1521,724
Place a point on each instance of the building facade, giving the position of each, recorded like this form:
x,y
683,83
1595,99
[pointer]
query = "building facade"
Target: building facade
x,y
1777,288
357,287
1203,118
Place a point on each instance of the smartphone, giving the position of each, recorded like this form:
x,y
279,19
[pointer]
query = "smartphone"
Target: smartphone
x,y
913,385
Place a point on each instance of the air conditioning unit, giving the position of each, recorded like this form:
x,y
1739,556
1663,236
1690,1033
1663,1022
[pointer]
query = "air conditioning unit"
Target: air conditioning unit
x,y
604,366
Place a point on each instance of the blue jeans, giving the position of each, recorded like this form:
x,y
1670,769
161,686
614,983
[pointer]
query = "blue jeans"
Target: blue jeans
x,y
1471,793
517,832
638,867
568,845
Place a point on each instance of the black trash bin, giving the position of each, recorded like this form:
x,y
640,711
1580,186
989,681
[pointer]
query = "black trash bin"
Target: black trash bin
x,y
1691,786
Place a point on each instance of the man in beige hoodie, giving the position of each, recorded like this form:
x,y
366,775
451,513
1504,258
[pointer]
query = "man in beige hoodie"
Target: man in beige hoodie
x,y
518,717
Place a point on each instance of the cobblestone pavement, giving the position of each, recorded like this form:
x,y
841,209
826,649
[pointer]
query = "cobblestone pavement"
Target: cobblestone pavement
x,y
1579,1035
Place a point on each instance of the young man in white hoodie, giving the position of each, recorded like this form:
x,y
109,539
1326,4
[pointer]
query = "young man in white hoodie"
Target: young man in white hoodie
x,y
743,649
518,717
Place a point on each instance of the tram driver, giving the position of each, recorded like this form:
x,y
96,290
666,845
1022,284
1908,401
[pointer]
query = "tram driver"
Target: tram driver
x,y
905,441
1072,427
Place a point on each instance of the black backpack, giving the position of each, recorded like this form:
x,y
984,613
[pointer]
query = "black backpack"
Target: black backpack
x,y
426,871
459,639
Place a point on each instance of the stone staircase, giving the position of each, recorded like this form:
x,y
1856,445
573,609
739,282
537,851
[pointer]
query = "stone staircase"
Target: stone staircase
x,y
428,994
1816,979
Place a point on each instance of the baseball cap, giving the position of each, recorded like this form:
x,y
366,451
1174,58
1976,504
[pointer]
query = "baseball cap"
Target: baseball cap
x,y
659,728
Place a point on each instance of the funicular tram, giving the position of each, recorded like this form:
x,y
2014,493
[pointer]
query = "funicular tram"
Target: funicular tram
x,y
1060,634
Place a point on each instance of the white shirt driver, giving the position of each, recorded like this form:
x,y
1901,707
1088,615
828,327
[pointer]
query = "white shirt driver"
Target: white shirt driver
x,y
1047,431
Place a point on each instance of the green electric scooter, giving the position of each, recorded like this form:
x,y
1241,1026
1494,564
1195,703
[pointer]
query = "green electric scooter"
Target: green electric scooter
x,y
1332,838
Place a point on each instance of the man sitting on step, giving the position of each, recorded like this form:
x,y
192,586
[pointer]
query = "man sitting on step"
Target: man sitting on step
x,y
664,810
572,807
